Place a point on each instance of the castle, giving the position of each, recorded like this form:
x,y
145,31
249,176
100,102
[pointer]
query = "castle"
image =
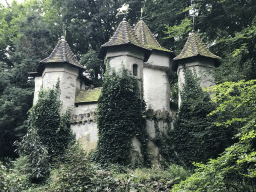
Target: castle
x,y
140,53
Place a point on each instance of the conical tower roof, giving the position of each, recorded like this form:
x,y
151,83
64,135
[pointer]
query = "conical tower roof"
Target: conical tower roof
x,y
146,37
124,35
195,47
61,54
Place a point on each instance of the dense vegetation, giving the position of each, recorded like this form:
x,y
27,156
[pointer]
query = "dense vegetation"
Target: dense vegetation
x,y
29,32
120,118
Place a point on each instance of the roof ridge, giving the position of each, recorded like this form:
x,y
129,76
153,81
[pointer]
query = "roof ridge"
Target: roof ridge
x,y
63,47
146,37
194,43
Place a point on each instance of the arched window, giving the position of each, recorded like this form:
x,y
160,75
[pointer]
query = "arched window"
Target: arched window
x,y
135,69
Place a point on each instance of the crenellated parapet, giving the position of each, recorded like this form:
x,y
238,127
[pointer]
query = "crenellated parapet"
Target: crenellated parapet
x,y
84,118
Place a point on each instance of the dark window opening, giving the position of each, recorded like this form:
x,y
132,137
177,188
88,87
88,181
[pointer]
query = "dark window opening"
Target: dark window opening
x,y
135,69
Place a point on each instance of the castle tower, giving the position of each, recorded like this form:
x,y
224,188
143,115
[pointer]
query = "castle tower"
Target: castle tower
x,y
197,57
62,65
156,86
124,48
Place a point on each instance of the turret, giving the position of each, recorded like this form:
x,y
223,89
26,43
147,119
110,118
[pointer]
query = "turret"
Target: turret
x,y
198,58
124,48
156,87
62,65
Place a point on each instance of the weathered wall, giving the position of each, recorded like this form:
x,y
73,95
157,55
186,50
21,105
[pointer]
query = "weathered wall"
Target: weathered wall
x,y
38,84
126,56
156,86
83,124
159,58
204,69
156,89
157,123
68,79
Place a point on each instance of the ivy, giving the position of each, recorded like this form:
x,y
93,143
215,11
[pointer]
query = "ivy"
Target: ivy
x,y
48,133
120,118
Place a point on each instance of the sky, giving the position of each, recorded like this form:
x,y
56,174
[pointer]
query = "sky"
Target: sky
x,y
10,1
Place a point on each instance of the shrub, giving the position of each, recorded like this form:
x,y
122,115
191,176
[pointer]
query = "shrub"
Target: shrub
x,y
77,174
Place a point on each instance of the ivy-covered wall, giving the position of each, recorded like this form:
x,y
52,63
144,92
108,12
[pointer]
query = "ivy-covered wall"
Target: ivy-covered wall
x,y
121,120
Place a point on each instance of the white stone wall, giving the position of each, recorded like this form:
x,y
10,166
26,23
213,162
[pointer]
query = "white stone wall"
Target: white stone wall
x,y
204,69
128,56
38,84
68,79
83,124
160,58
156,89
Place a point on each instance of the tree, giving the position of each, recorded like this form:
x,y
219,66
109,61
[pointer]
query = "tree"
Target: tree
x,y
159,14
25,40
235,169
195,137
120,118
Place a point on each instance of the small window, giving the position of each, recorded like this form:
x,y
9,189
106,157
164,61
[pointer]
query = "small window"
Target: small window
x,y
135,69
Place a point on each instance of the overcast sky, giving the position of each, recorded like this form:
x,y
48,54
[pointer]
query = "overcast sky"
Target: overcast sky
x,y
10,1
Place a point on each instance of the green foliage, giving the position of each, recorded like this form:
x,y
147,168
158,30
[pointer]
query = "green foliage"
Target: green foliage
x,y
120,118
16,178
159,14
152,179
179,33
24,41
195,136
78,174
48,133
94,66
235,169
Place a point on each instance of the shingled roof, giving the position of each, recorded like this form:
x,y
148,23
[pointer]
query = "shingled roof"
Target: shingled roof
x,y
146,37
124,35
195,47
61,54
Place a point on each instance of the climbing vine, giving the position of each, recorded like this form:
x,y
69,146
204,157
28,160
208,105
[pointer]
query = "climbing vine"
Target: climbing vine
x,y
120,118
48,135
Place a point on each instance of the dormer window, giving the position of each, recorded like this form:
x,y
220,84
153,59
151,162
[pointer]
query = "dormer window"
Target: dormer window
x,y
135,70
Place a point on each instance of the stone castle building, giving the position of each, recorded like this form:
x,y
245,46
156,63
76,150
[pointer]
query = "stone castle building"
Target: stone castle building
x,y
140,53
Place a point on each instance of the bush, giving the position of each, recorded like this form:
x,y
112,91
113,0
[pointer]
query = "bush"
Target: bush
x,y
77,174
15,179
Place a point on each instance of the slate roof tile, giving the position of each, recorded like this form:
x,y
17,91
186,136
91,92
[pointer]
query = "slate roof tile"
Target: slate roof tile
x,y
62,54
146,37
195,47
124,35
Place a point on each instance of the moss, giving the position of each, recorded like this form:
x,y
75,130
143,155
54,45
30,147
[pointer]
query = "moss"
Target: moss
x,y
90,95
195,47
144,34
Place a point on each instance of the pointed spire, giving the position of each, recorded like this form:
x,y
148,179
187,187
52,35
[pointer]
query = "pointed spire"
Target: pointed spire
x,y
124,35
62,54
146,37
195,47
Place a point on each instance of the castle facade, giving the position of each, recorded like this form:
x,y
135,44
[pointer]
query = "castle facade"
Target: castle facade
x,y
138,50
